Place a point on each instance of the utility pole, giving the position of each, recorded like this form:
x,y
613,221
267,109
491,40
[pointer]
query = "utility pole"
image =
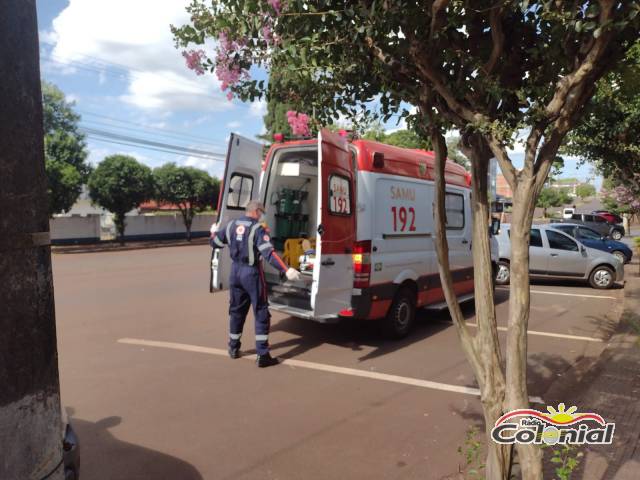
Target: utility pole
x,y
30,425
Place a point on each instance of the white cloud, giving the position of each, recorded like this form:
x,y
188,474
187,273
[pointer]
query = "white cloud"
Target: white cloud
x,y
234,124
134,37
214,167
258,108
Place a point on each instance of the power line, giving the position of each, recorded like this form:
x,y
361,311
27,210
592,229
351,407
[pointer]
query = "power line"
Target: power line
x,y
98,139
104,134
166,132
189,143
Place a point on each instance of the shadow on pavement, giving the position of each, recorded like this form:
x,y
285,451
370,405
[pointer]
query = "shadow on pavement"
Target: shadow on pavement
x,y
103,456
354,334
573,283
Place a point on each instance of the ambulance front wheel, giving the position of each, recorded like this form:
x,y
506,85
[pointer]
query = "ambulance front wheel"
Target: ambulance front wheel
x,y
402,314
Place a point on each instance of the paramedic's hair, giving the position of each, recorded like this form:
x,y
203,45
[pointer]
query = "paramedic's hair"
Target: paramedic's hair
x,y
253,205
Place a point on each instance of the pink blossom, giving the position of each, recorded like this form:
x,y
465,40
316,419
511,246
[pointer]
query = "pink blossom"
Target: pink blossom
x,y
299,123
229,96
194,60
276,5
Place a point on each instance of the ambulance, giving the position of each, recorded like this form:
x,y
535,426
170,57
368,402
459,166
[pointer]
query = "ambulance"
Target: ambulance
x,y
363,211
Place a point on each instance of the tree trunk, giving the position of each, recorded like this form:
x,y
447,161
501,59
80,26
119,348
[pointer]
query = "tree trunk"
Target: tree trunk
x,y
524,197
486,340
30,424
187,218
121,223
483,350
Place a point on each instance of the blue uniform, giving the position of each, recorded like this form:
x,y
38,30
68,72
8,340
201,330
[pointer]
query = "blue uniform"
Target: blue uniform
x,y
248,243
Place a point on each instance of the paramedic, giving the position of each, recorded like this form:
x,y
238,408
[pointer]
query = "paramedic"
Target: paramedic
x,y
248,242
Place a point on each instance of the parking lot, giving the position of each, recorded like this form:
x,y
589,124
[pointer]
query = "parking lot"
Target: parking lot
x,y
152,394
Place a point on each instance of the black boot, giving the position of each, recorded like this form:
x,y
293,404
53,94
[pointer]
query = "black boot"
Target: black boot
x,y
266,360
234,352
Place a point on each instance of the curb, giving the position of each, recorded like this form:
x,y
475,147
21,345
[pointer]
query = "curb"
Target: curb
x,y
116,247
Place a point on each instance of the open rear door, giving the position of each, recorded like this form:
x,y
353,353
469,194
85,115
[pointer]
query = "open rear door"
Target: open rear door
x,y
333,274
240,184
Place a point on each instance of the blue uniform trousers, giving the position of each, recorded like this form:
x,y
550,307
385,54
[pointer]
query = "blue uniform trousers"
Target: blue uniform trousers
x,y
248,288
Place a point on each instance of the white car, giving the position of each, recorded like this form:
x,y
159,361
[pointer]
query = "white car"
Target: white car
x,y
568,212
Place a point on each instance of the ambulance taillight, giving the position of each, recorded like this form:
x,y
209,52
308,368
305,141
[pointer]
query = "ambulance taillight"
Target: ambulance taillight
x,y
361,264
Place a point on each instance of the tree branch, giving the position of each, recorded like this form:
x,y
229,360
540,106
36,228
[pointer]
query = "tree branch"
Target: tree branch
x,y
497,35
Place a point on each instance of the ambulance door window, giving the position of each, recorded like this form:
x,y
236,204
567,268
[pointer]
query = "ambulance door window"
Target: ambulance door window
x,y
454,210
240,189
339,195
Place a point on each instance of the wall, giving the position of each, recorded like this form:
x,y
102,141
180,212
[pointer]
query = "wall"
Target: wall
x,y
78,229
149,227
75,229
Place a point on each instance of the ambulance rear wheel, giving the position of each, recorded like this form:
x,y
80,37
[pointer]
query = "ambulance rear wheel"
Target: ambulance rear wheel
x,y
402,314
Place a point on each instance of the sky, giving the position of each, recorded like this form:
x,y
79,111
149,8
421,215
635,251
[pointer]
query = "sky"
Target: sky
x,y
126,78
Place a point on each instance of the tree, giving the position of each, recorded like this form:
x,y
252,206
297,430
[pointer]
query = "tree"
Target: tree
x,y
490,70
30,394
400,138
607,135
120,184
190,189
65,150
551,197
585,190
454,152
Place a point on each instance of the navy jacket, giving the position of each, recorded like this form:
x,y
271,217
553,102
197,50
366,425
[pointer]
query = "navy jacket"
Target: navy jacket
x,y
248,241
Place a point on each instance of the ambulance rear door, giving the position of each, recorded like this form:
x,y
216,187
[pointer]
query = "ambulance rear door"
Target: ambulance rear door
x,y
333,273
240,184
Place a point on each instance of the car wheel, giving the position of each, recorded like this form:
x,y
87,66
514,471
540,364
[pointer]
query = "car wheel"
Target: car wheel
x,y
401,316
616,234
503,274
602,277
620,256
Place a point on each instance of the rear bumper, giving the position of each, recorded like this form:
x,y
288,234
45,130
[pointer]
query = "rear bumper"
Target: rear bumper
x,y
302,313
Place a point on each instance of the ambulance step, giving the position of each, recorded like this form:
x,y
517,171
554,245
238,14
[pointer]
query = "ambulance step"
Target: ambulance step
x,y
443,305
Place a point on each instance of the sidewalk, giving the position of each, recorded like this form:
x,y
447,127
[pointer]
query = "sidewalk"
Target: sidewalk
x,y
612,389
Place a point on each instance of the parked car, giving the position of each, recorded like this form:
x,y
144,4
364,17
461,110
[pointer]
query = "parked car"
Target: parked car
x,y
593,239
597,223
567,212
70,450
554,254
611,217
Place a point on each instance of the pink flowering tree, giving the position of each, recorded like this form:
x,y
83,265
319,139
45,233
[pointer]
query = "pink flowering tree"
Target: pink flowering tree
x,y
489,69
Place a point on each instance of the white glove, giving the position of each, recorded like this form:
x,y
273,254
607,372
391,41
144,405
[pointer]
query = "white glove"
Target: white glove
x,y
213,229
293,274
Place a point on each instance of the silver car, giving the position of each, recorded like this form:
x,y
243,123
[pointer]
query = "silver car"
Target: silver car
x,y
554,254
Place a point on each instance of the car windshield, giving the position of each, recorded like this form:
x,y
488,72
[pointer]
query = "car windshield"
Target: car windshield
x,y
588,234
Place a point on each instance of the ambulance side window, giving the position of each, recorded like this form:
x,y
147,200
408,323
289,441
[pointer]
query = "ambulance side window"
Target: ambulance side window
x,y
454,210
339,195
240,189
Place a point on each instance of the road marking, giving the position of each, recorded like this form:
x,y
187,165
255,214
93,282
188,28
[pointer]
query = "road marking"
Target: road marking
x,y
416,382
582,295
549,334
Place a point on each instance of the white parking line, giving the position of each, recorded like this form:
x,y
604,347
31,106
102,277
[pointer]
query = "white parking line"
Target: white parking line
x,y
549,334
416,382
582,295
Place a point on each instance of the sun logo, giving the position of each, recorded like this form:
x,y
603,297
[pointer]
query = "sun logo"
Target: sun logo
x,y
561,416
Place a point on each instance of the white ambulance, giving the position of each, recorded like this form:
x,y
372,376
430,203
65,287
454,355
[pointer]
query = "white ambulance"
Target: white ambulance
x,y
368,206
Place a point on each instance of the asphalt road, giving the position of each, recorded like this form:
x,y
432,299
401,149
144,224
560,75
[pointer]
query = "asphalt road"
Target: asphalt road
x,y
349,404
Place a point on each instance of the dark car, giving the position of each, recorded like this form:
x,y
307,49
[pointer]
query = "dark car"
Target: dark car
x,y
597,223
70,450
593,239
611,217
